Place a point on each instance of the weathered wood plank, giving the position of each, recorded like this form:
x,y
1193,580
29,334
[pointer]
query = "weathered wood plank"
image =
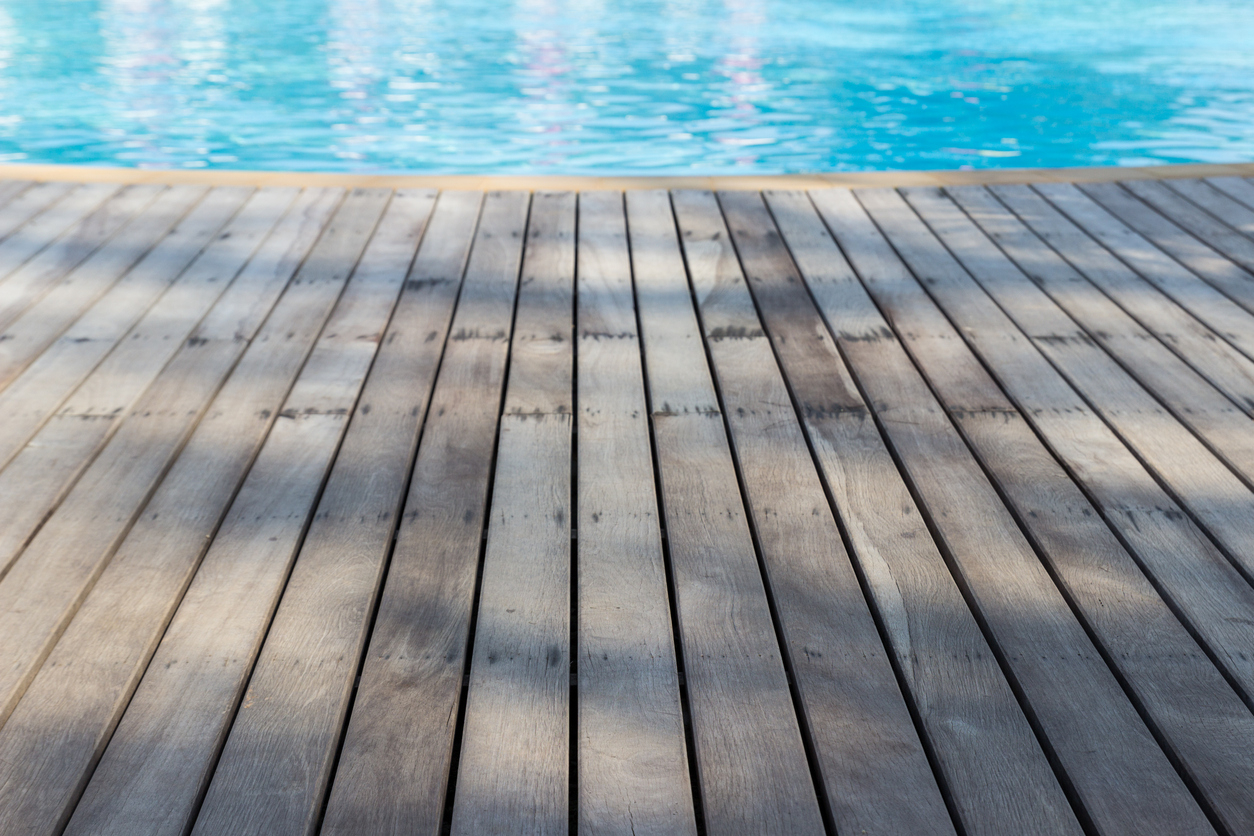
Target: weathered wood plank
x,y
513,776
12,189
1231,322
1219,204
44,589
31,282
995,773
276,765
93,670
43,214
162,226
1199,480
158,763
394,768
1236,188
871,760
42,454
1185,214
753,772
632,761
1116,771
1225,275
1210,356
1158,659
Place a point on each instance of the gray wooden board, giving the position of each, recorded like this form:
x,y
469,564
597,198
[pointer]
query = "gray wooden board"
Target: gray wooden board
x,y
162,226
137,324
1202,718
993,768
1186,214
751,764
872,763
1197,345
158,763
393,771
43,215
273,774
632,762
1111,762
45,587
11,189
45,453
32,281
1216,420
513,774
1198,480
1217,203
1230,322
1236,188
94,668
1225,275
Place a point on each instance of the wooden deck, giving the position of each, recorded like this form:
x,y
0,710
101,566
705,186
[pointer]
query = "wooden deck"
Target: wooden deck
x,y
924,510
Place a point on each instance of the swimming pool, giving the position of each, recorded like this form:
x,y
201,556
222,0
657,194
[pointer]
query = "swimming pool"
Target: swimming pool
x,y
625,86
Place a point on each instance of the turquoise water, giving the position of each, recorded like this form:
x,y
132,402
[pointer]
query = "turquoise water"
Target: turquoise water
x,y
614,86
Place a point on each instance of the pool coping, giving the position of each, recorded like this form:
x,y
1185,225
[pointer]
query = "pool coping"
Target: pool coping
x,y
954,177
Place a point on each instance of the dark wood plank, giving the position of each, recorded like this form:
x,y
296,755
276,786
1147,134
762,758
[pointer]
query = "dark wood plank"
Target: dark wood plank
x,y
1130,787
995,773
394,768
93,670
45,587
632,761
513,776
1206,352
754,776
873,765
31,282
1200,481
274,771
158,763
1230,322
1168,673
1225,275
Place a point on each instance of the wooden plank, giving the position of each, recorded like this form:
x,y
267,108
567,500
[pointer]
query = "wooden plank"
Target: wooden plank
x,y
632,761
393,771
276,765
42,455
29,283
753,772
44,322
997,777
1200,481
158,763
1236,188
1185,214
1216,420
1193,708
1230,322
1232,212
44,589
94,668
43,214
1225,275
872,763
11,189
1117,774
1210,356
513,776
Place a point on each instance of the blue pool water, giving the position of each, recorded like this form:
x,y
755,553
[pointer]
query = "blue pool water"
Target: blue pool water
x,y
625,86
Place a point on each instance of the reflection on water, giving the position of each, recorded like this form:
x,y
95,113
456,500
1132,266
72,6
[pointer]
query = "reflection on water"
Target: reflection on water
x,y
629,86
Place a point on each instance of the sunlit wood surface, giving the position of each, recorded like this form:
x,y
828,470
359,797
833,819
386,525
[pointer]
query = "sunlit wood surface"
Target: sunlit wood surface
x,y
923,510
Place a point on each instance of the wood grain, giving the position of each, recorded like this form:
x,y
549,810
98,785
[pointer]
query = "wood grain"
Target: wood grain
x,y
1215,202
632,762
42,215
751,764
393,771
273,775
1168,673
1185,213
1114,767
